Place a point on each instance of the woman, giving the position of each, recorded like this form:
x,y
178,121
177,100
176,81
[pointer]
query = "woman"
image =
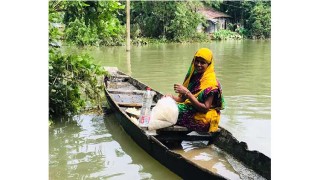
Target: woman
x,y
200,97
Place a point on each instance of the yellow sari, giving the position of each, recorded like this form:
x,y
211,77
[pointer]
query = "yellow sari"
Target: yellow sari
x,y
201,86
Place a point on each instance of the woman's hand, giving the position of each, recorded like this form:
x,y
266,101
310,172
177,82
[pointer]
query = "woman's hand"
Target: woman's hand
x,y
202,107
178,88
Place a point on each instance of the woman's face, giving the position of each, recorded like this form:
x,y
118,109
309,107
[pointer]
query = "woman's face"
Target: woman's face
x,y
200,65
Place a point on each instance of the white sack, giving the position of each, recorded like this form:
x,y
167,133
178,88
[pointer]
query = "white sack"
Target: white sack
x,y
164,114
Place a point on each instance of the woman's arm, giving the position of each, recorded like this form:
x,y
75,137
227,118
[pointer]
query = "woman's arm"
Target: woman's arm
x,y
202,107
176,98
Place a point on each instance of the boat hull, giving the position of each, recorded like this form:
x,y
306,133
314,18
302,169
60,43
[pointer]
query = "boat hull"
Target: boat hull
x,y
173,161
183,167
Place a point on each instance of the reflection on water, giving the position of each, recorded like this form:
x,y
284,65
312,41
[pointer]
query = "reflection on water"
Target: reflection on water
x,y
74,146
242,120
95,147
129,63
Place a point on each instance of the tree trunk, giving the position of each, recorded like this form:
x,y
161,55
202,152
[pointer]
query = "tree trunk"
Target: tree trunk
x,y
128,25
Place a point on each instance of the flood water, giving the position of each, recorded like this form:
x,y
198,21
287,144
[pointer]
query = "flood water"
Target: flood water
x,y
89,149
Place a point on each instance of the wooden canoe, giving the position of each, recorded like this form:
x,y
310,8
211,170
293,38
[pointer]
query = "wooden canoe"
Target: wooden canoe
x,y
124,92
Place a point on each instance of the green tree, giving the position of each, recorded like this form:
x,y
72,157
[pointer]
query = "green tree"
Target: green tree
x,y
170,20
152,16
253,16
214,4
260,21
93,22
73,79
185,21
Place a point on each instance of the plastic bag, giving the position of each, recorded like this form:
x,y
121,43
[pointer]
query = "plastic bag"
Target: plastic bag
x,y
164,114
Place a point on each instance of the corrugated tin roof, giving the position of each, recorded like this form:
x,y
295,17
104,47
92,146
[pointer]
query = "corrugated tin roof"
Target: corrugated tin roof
x,y
210,13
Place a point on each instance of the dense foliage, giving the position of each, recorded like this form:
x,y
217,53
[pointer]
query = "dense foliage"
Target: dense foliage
x,y
73,79
103,22
93,23
70,77
253,17
177,20
259,22
170,20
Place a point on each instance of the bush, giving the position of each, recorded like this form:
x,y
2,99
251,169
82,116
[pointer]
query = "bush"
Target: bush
x,y
80,34
73,79
226,34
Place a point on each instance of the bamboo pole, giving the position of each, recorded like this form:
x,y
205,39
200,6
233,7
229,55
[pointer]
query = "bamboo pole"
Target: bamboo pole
x,y
128,25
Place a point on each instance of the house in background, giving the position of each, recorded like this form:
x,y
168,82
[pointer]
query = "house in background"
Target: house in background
x,y
216,20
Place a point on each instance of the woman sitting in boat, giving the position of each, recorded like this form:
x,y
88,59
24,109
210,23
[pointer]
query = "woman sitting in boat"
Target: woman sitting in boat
x,y
200,96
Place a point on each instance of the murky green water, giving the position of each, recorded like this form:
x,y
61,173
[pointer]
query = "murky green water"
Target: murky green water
x,y
96,147
244,69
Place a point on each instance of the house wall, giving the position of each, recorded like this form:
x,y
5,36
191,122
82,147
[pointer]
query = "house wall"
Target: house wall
x,y
222,23
213,27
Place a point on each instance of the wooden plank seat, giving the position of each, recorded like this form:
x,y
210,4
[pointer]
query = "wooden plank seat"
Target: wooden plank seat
x,y
120,76
117,76
118,91
174,128
177,137
179,133
137,105
123,104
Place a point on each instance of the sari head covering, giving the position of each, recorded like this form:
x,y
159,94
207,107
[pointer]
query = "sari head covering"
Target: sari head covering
x,y
208,78
201,86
